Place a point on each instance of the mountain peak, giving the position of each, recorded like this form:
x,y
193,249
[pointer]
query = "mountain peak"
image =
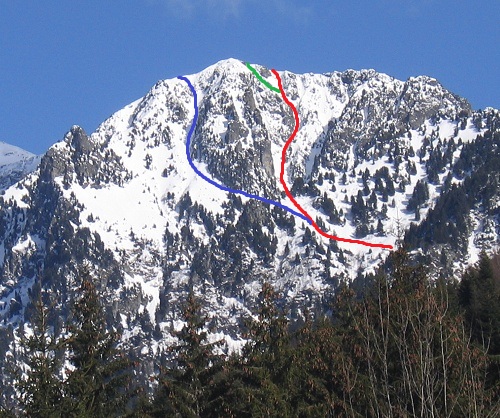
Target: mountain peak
x,y
226,66
230,63
11,154
372,157
15,164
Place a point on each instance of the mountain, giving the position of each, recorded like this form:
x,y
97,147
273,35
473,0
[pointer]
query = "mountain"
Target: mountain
x,y
15,163
375,158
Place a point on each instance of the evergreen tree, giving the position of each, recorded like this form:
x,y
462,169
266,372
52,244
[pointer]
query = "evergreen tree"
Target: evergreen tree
x,y
6,413
40,388
98,385
329,209
183,390
380,227
269,333
362,231
419,196
322,374
480,297
390,187
256,382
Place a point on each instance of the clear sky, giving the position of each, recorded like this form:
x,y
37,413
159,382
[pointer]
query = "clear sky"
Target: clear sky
x,y
66,62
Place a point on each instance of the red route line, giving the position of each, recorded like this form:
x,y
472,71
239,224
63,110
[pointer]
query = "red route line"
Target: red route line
x,y
287,191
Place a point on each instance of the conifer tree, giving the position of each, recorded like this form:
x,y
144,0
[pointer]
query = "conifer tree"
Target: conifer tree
x,y
267,359
269,333
40,388
256,382
480,296
183,389
315,383
380,227
98,385
6,412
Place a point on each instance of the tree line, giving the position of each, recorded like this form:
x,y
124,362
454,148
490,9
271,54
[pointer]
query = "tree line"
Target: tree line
x,y
397,345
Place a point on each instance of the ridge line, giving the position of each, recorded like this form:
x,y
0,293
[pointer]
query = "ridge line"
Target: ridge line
x,y
261,79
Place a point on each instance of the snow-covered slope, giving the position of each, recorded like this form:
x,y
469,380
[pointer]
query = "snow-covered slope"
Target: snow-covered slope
x,y
15,163
372,156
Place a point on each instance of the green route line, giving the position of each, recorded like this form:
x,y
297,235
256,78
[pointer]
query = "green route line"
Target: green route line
x,y
265,82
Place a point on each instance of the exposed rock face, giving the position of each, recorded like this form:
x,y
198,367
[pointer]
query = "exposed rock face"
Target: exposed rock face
x,y
424,98
126,201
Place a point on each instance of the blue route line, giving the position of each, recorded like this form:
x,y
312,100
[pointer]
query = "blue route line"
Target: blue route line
x,y
209,180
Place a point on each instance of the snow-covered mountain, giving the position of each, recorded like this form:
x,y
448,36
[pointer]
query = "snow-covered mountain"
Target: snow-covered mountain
x,y
15,163
373,156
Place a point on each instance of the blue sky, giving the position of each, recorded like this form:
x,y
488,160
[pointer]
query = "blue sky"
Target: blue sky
x,y
64,63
